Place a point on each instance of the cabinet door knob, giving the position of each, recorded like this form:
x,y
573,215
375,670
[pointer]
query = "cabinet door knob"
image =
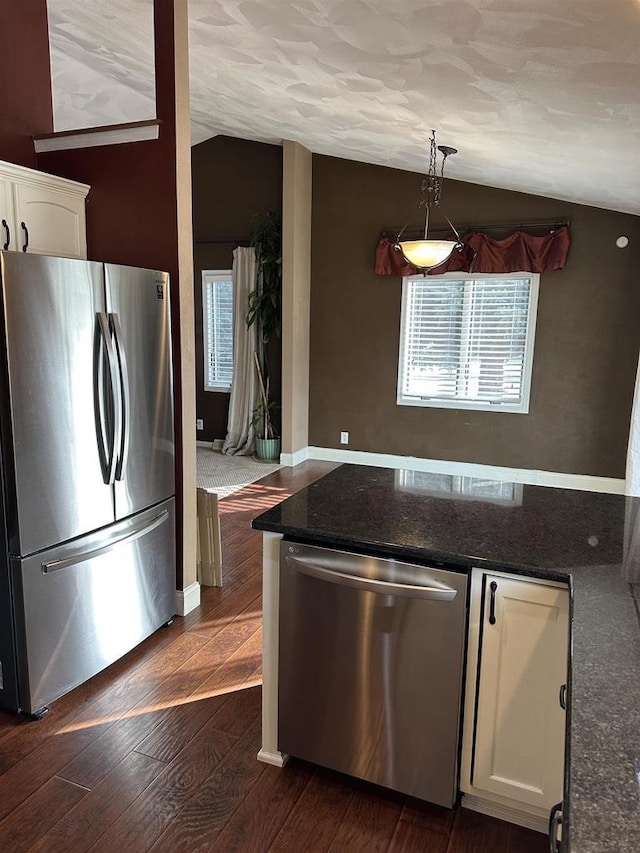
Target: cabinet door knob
x,y
7,234
25,245
492,604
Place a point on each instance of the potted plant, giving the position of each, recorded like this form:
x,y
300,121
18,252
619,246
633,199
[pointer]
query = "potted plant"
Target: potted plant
x,y
264,421
265,309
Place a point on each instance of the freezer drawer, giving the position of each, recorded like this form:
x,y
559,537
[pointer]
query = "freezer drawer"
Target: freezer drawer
x,y
88,602
370,668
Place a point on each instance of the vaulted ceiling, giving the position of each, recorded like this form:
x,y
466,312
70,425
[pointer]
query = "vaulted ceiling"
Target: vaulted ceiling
x,y
541,96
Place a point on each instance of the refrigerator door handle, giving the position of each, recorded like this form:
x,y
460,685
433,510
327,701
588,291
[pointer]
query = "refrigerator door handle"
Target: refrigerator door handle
x,y
107,444
125,434
130,535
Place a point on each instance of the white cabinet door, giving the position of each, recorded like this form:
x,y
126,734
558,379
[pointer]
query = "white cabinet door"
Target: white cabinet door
x,y
520,724
7,219
50,222
42,213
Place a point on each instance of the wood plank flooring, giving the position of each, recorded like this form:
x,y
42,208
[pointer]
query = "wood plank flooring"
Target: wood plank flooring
x,y
158,753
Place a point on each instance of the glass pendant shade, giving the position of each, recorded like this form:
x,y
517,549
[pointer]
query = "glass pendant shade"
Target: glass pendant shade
x,y
425,254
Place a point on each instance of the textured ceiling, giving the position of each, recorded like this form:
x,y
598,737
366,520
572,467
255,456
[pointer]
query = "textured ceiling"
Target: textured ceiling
x,y
541,96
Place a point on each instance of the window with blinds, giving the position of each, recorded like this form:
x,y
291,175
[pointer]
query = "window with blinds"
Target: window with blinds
x,y
217,321
467,342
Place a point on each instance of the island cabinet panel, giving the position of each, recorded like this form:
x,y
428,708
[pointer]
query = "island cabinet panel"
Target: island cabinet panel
x,y
42,213
517,670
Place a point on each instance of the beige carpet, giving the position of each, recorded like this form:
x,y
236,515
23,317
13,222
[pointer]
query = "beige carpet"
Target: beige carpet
x,y
226,474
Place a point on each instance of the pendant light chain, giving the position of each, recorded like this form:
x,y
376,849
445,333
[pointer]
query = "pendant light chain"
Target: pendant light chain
x,y
436,182
425,254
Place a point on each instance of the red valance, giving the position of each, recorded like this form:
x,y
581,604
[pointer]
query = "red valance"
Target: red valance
x,y
519,252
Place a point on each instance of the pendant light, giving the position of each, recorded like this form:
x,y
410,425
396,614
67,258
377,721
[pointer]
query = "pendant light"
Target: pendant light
x,y
425,253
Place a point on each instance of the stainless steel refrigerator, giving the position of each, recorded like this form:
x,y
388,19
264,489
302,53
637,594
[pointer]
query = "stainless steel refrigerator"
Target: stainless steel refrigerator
x,y
87,532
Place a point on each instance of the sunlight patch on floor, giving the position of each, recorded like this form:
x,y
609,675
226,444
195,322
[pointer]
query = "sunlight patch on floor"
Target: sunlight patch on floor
x,y
161,706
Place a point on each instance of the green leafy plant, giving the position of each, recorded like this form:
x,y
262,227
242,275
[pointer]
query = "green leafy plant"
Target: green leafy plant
x,y
265,302
264,420
265,310
264,416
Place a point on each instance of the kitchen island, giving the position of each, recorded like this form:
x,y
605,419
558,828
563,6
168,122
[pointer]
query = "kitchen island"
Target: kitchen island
x,y
591,541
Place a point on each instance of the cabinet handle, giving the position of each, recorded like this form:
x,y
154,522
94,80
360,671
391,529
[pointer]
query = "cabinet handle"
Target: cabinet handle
x,y
563,697
7,234
492,604
25,245
555,822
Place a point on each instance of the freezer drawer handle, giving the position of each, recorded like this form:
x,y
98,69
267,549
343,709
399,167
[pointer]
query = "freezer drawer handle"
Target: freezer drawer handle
x,y
438,593
131,535
125,402
7,234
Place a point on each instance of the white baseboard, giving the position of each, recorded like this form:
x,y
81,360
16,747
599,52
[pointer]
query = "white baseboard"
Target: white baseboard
x,y
187,599
292,459
277,759
502,812
584,482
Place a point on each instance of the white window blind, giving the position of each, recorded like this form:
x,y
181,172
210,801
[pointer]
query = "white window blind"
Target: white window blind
x,y
467,342
458,486
217,320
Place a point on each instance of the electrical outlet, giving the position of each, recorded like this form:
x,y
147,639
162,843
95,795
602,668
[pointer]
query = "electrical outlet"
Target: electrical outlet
x,y
199,423
344,438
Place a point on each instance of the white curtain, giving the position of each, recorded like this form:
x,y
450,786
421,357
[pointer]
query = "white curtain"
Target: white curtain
x,y
631,564
244,389
632,478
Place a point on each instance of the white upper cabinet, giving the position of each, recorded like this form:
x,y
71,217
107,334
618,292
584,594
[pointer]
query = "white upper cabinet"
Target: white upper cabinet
x,y
41,213
7,219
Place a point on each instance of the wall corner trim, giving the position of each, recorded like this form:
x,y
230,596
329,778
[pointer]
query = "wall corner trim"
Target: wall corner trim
x,y
276,759
187,599
582,482
293,459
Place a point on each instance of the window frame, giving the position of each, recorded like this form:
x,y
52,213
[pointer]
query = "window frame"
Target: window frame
x,y
527,368
211,276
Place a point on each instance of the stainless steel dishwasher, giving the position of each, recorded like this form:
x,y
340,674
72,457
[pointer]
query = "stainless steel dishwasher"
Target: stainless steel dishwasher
x,y
370,668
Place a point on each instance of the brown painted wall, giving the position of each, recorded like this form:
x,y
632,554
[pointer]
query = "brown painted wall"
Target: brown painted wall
x,y
233,180
25,107
587,338
131,207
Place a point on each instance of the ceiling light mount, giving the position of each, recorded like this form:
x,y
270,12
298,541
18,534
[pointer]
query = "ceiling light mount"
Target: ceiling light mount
x,y
425,254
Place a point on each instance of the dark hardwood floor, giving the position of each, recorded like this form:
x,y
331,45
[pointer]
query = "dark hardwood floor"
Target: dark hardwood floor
x,y
159,752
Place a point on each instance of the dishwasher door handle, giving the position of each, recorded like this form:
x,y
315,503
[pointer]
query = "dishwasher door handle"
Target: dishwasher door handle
x,y
432,593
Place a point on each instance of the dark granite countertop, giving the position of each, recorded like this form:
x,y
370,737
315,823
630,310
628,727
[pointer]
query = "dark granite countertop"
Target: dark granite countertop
x,y
591,540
